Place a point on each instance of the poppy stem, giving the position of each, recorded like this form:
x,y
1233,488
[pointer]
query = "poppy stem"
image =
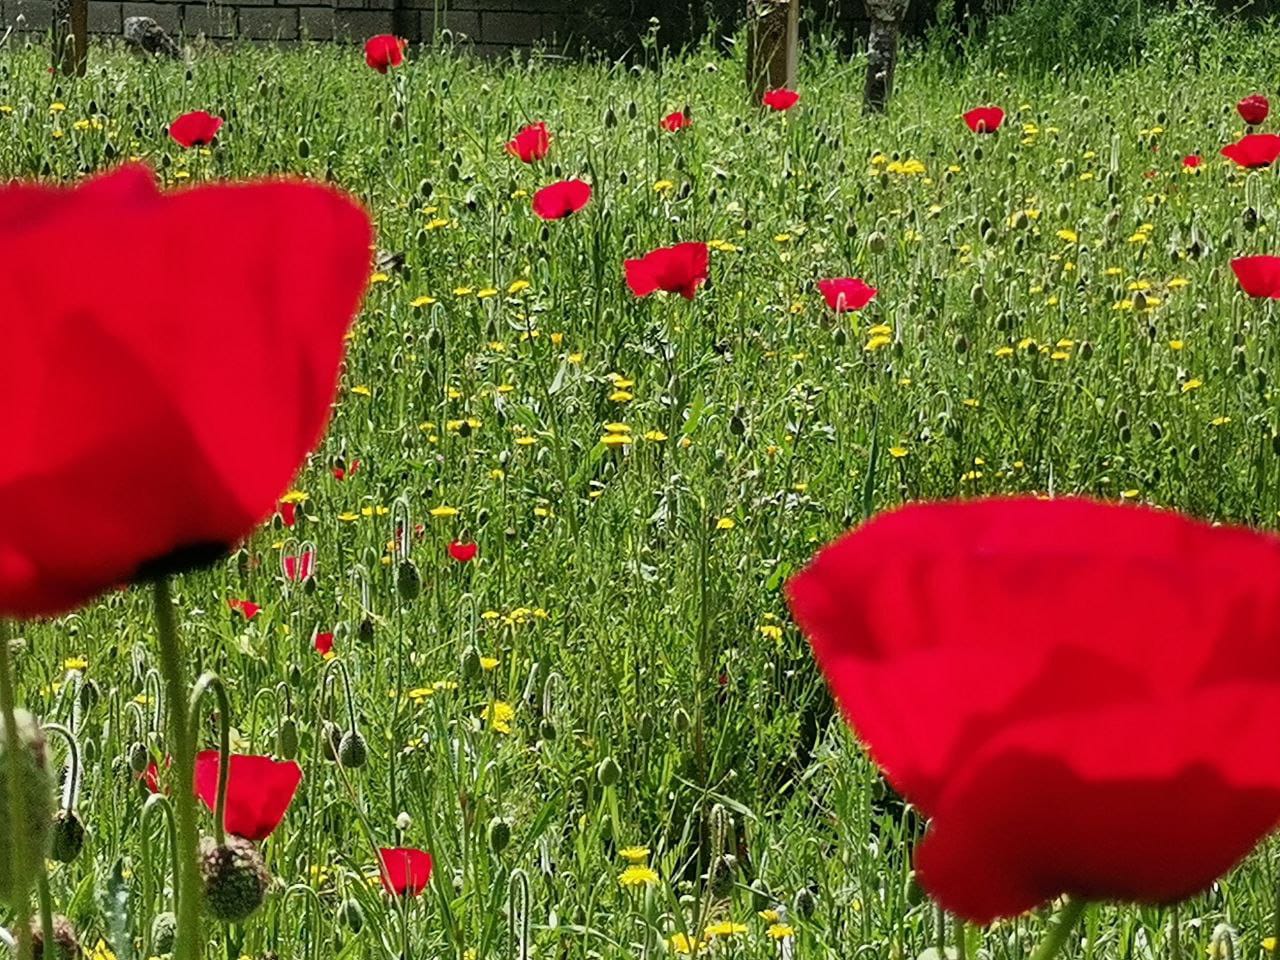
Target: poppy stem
x,y
210,683
1063,924
188,944
46,909
20,879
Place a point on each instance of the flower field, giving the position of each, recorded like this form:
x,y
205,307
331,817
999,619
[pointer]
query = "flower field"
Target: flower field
x,y
520,664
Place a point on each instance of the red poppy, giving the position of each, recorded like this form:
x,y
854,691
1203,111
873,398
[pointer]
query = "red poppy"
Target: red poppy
x,y
288,511
984,119
384,51
1080,695
259,791
531,143
561,199
781,99
405,871
150,777
1254,109
1191,161
847,293
463,552
324,644
299,567
195,129
679,269
1255,150
246,607
347,471
1259,276
137,402
674,122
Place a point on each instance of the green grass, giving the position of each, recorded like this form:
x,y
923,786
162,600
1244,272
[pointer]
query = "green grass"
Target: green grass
x,y
630,619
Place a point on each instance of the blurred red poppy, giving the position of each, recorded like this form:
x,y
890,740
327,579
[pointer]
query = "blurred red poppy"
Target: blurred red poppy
x,y
1081,696
324,644
246,607
1255,150
678,269
405,871
679,120
288,511
1259,276
984,119
531,143
384,51
343,471
259,791
195,129
300,566
846,293
1253,109
780,99
463,552
1191,161
561,199
173,431
150,777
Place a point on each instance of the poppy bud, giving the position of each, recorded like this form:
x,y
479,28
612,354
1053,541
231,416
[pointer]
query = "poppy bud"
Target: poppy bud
x,y
1139,300
721,876
1250,218
608,772
978,295
499,834
408,581
304,147
68,836
1275,443
28,772
680,720
989,236
876,242
139,757
330,738
1020,220
471,666
65,944
164,931
353,751
961,344
1086,350
646,727
233,877
295,676
805,903
1156,430
365,630
287,738
914,893
1261,376
352,915
90,694
1240,362
547,729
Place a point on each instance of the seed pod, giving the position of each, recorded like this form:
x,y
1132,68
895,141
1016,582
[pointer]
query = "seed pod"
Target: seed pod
x,y
233,878
408,581
28,772
352,915
608,772
353,751
499,834
68,836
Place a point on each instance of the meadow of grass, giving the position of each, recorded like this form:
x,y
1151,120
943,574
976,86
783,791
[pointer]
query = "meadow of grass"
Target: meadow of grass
x,y
616,667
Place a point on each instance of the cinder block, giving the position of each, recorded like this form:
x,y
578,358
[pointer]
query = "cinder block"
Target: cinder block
x,y
510,27
269,23
461,23
104,17
168,15
316,23
361,24
29,14
209,20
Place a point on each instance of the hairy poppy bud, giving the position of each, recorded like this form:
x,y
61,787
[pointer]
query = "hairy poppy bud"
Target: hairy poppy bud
x,y
68,836
721,874
365,630
647,728
139,757
66,946
353,751
680,720
805,903
28,772
876,242
499,834
408,581
471,665
234,878
352,915
330,739
608,772
547,729
287,738
164,931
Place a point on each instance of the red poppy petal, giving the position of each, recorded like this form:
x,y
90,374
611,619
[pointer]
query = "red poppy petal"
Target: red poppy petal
x,y
1259,276
259,791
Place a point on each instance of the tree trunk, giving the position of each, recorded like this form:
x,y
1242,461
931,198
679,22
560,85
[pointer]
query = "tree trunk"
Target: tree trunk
x,y
71,37
882,52
773,44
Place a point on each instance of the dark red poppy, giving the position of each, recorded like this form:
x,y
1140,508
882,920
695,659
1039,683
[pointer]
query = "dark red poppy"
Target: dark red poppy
x,y
463,552
324,644
150,777
169,412
345,471
561,199
679,269
405,871
1259,276
1191,161
1253,109
246,607
384,51
195,129
846,293
298,567
984,119
288,511
1081,696
674,122
531,143
1255,150
259,791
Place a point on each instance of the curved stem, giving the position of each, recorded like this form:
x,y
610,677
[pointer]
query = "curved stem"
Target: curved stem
x,y
1063,924
18,839
70,789
157,801
210,683
336,664
189,944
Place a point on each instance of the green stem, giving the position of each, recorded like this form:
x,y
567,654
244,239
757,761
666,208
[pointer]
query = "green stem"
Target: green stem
x,y
188,945
18,838
46,911
1063,924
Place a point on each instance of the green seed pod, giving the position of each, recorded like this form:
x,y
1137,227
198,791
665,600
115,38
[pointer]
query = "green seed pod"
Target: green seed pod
x,y
68,836
499,834
408,581
233,878
352,915
353,751
680,720
29,773
287,738
608,772
471,665
164,931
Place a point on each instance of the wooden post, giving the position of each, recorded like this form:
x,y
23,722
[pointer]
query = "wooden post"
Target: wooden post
x,y
773,44
71,37
882,52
